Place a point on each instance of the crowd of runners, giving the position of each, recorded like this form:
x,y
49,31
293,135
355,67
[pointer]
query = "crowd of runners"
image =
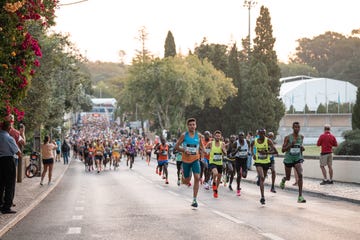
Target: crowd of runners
x,y
207,159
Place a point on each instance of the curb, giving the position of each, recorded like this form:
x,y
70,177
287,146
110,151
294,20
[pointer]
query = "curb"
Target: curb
x,y
313,193
19,216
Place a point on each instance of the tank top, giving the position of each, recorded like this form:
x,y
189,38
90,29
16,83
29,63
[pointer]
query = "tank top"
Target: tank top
x,y
294,153
191,144
216,154
163,152
262,158
243,152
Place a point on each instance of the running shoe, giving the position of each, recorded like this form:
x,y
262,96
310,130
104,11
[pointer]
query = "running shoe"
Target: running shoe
x,y
230,188
166,182
273,190
238,193
330,182
214,187
301,199
178,182
216,195
194,204
189,184
324,182
282,184
206,186
262,201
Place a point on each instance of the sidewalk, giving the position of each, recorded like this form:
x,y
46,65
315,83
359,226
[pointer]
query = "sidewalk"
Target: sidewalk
x,y
338,191
28,194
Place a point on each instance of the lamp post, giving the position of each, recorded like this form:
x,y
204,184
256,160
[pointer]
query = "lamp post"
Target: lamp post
x,y
249,4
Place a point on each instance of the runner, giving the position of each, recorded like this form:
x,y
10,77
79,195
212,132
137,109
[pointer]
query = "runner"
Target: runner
x,y
241,152
148,150
293,148
163,160
178,158
217,151
272,161
116,153
191,147
229,161
264,147
204,164
99,153
131,151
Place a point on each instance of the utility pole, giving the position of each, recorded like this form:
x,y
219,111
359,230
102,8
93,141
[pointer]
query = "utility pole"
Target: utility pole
x,y
249,4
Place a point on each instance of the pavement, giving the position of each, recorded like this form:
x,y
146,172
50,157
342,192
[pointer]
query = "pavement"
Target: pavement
x,y
29,193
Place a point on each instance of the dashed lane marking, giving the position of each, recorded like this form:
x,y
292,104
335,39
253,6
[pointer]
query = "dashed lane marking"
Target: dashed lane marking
x,y
272,236
228,217
173,193
77,217
74,230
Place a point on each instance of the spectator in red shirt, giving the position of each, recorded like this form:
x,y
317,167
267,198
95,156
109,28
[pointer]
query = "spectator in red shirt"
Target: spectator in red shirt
x,y
327,141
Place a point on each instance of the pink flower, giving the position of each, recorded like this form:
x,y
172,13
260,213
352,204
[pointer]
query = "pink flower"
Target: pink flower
x,y
37,63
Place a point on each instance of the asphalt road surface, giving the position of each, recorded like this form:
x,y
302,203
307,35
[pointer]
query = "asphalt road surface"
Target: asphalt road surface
x,y
137,204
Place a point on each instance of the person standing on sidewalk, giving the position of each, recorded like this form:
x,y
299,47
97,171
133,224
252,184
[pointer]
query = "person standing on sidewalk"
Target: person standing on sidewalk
x,y
327,141
293,149
47,154
8,148
65,150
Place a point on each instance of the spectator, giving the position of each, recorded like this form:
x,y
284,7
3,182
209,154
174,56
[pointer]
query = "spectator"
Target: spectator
x,y
8,148
65,149
327,141
47,153
58,150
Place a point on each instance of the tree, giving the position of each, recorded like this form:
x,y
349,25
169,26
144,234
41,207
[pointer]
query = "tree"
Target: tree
x,y
19,50
165,87
321,108
143,55
258,103
355,120
332,55
264,55
296,69
170,47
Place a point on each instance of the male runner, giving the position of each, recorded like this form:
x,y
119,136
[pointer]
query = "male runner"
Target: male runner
x,y
190,146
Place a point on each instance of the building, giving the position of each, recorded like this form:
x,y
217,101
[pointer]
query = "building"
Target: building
x,y
103,108
299,91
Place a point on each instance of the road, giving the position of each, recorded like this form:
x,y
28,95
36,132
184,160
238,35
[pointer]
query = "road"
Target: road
x,y
136,204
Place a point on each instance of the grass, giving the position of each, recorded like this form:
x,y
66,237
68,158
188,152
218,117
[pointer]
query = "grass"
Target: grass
x,y
310,150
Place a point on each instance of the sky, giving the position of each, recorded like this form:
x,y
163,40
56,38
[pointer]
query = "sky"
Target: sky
x,y
101,28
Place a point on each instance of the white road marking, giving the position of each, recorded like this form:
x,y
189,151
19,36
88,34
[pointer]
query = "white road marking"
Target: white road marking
x,y
173,193
161,187
228,217
77,217
79,208
272,236
74,230
145,179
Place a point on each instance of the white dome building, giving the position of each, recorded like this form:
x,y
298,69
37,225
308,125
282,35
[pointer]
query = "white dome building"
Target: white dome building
x,y
304,90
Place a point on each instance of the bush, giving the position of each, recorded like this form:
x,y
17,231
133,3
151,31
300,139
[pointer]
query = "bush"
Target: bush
x,y
351,145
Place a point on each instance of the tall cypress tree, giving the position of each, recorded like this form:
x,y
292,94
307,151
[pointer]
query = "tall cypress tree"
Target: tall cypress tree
x,y
264,53
170,47
356,112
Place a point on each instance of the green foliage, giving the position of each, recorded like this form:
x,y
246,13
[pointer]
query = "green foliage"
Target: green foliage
x,y
296,69
165,87
321,108
59,85
356,112
105,71
170,47
351,145
332,55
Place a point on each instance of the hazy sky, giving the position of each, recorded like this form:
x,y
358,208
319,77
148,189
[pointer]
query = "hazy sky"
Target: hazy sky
x,y
100,28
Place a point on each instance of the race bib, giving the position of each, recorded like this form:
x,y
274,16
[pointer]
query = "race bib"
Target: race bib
x,y
262,156
192,149
243,153
295,151
217,157
164,153
207,150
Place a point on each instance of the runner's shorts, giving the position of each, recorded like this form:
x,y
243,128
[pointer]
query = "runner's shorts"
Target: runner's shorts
x,y
193,166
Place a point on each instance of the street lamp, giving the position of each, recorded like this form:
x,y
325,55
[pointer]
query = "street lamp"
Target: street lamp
x,y
249,4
